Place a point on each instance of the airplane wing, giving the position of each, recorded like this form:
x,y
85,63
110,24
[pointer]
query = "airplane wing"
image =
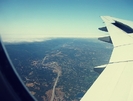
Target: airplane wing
x,y
115,83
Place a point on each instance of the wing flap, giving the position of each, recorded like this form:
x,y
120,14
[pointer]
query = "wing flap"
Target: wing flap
x,y
122,54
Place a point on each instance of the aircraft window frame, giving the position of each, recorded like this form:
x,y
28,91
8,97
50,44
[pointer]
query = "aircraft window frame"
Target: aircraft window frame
x,y
11,86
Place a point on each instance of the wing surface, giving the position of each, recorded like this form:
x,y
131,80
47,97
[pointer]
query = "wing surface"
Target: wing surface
x,y
115,83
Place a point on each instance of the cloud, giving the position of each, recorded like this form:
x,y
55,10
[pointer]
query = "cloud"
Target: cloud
x,y
41,37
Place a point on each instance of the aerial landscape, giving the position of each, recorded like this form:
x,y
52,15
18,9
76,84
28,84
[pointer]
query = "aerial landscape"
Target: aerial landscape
x,y
54,46
59,69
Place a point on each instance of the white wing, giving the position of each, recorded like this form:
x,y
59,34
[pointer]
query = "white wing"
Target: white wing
x,y
116,81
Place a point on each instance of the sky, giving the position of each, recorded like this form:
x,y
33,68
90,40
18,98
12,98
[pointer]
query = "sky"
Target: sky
x,y
28,20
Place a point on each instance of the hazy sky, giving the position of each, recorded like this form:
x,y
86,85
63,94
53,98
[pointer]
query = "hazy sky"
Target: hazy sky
x,y
33,19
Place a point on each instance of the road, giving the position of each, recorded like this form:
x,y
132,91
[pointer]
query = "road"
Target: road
x,y
53,92
57,69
